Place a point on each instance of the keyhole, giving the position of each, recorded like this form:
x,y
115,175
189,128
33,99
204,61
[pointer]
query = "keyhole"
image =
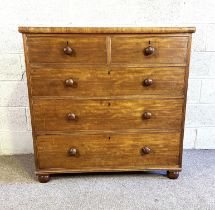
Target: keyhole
x,y
109,103
109,72
109,137
149,42
67,43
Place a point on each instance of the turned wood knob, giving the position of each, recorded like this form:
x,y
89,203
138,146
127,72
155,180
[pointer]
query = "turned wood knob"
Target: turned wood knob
x,y
71,116
68,50
70,82
146,150
147,82
149,50
72,152
147,115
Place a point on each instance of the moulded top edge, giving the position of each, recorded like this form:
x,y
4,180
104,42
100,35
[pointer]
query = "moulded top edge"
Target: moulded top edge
x,y
117,30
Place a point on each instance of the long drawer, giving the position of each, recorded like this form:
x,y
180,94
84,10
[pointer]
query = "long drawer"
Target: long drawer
x,y
68,115
108,152
75,49
90,82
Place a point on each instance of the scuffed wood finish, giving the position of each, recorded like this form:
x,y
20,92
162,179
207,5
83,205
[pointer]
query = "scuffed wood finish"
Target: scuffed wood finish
x,y
103,152
102,30
85,49
47,81
52,115
130,50
107,99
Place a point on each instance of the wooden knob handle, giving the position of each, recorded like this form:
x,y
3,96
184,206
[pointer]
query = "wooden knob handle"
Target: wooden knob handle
x,y
149,50
147,82
147,115
72,152
146,150
71,116
70,82
68,50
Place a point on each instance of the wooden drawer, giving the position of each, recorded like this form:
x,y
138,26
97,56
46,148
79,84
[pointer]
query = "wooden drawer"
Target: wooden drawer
x,y
131,50
105,152
67,115
50,49
95,82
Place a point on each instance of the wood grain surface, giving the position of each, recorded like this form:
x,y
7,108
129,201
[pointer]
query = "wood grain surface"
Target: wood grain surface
x,y
104,152
51,115
110,82
130,50
86,50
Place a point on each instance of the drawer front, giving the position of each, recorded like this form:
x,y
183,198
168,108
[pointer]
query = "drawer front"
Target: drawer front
x,y
103,152
95,82
68,115
67,49
149,50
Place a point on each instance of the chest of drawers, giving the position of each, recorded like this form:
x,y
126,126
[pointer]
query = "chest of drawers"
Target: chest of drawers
x,y
107,99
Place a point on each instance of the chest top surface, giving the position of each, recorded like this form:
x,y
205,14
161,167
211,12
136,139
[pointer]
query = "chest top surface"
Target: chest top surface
x,y
122,30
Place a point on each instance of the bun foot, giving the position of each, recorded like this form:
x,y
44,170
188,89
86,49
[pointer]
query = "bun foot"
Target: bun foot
x,y
172,174
43,178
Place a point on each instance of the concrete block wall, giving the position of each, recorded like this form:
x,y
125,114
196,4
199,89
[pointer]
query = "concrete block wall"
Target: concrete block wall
x,y
15,127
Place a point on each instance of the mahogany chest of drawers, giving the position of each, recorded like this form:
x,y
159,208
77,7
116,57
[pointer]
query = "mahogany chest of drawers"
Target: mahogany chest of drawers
x,y
107,99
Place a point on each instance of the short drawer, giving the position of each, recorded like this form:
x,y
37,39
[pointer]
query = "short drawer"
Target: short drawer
x,y
144,50
95,82
108,152
67,115
67,49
